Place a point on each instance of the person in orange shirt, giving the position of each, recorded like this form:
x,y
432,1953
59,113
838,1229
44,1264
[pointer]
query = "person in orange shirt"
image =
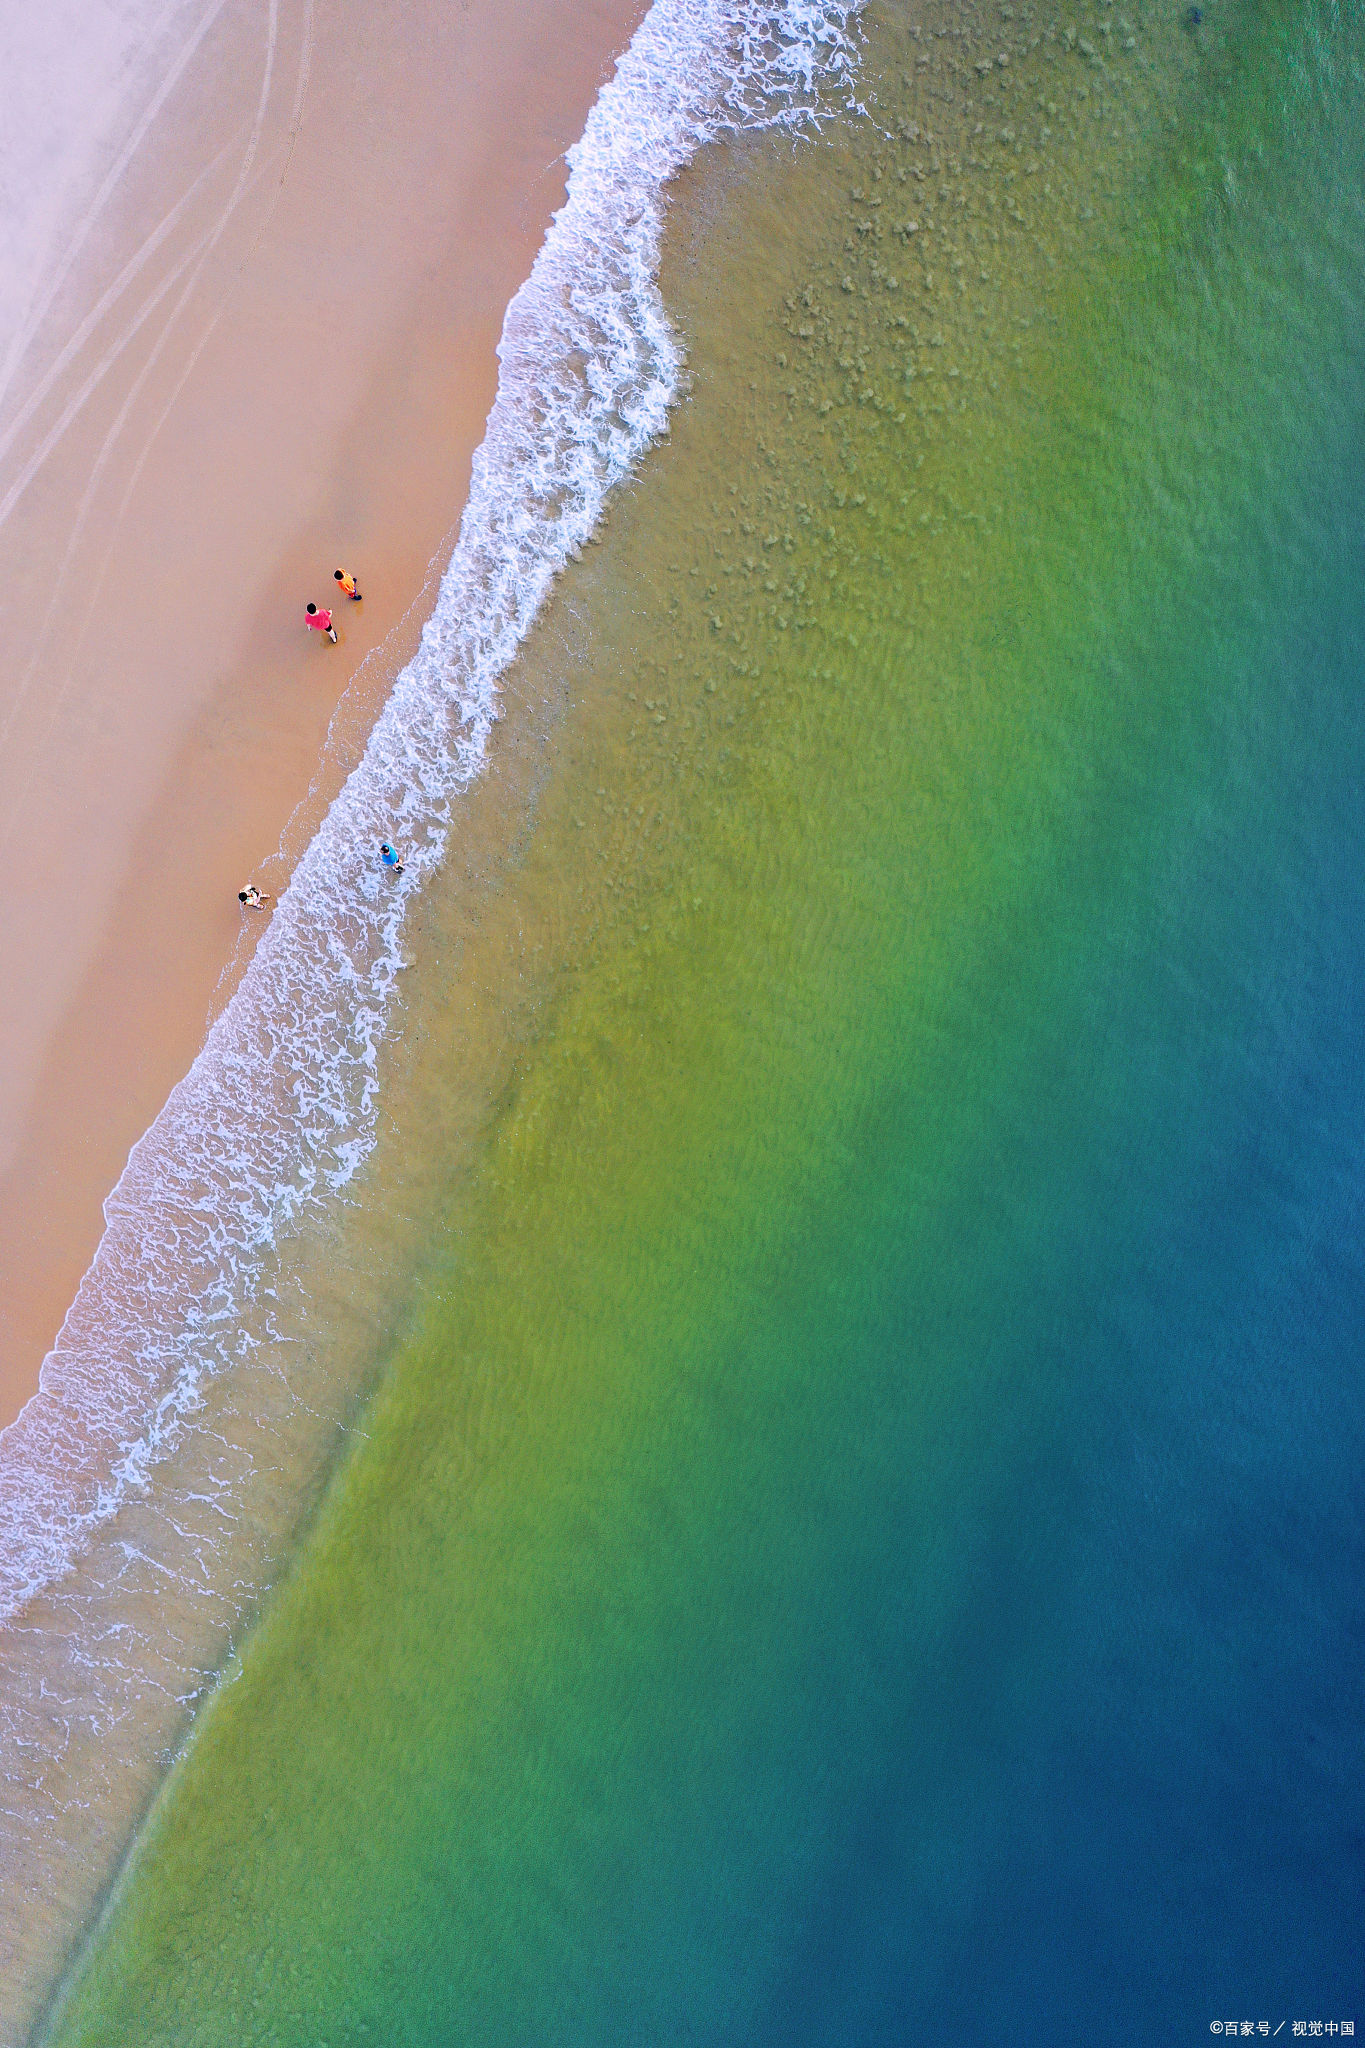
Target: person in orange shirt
x,y
347,582
321,622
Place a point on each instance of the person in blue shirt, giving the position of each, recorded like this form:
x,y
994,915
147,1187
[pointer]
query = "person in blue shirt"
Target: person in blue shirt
x,y
389,855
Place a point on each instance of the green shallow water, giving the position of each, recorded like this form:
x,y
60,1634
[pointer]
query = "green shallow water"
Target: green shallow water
x,y
854,1540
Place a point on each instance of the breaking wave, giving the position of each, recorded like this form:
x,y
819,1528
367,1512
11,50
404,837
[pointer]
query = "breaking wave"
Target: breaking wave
x,y
278,1111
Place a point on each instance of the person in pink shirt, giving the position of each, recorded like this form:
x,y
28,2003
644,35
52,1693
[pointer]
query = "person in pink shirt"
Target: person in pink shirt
x,y
321,622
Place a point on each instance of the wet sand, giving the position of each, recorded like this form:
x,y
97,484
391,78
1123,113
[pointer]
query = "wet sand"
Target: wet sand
x,y
295,376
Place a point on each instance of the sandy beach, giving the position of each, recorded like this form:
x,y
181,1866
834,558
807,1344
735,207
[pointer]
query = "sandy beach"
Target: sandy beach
x,y
275,354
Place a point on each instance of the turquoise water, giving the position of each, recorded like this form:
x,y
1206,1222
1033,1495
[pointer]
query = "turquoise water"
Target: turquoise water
x,y
860,1540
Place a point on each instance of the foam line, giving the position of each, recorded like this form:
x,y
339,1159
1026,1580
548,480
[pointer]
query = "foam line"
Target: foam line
x,y
278,1111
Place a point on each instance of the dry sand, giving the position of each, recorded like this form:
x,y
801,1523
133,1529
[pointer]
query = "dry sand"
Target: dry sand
x,y
353,202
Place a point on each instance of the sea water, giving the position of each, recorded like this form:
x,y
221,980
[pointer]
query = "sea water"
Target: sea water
x,y
858,1535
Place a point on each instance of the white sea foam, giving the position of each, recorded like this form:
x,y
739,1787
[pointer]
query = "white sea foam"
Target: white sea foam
x,y
278,1112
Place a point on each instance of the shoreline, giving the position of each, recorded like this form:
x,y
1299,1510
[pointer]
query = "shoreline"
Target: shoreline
x,y
295,436
204,1388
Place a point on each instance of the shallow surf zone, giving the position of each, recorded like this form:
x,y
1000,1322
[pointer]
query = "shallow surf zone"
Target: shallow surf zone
x,y
147,1490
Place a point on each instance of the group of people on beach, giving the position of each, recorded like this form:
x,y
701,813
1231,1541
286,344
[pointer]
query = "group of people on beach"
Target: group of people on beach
x,y
320,621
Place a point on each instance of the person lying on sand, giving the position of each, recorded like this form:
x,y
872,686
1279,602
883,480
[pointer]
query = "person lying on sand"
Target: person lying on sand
x,y
252,898
321,622
389,855
347,582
